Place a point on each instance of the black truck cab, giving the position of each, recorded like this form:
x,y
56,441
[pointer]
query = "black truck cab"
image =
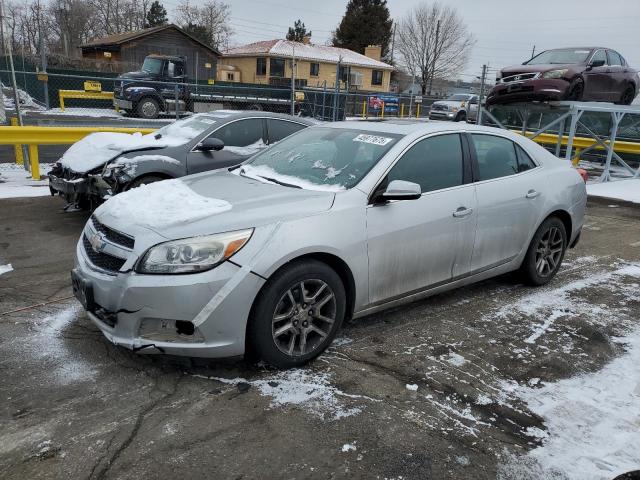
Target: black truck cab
x,y
159,86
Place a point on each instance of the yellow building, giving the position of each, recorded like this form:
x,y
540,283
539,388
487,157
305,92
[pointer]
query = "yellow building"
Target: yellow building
x,y
269,62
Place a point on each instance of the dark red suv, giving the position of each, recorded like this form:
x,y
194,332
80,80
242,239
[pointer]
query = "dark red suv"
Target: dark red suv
x,y
580,74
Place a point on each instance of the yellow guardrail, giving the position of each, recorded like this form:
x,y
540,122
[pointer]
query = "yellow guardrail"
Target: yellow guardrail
x,y
34,136
582,143
82,94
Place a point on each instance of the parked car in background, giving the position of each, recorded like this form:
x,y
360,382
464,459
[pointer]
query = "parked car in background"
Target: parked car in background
x,y
453,108
104,164
337,221
580,74
472,109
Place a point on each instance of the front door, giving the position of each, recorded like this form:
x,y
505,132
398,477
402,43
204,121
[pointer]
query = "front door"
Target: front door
x,y
414,244
597,80
509,191
242,138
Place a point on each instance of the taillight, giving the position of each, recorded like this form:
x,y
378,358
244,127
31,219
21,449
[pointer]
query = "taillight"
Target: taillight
x,y
583,173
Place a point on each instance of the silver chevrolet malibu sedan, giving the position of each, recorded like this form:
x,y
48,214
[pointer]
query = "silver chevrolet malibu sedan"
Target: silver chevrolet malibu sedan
x,y
337,221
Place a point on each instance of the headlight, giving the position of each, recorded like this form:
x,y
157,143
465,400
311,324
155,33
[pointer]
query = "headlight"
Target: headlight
x,y
192,255
554,73
454,109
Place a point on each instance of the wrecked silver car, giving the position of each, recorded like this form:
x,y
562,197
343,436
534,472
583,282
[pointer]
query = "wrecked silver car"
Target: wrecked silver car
x,y
336,221
104,164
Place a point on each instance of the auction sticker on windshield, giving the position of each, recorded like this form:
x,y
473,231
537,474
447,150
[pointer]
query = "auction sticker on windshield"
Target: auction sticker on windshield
x,y
373,139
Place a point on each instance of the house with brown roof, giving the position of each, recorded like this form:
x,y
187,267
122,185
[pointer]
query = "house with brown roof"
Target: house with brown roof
x,y
132,47
270,62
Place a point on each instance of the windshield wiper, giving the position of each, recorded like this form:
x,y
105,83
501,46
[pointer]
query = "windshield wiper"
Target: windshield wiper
x,y
284,184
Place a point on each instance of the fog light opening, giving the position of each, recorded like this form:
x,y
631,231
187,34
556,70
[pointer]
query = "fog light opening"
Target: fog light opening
x,y
184,327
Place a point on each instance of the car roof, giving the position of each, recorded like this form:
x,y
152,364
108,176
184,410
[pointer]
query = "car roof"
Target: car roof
x,y
408,127
236,114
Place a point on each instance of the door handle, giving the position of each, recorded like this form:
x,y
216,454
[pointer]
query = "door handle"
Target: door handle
x,y
532,194
462,212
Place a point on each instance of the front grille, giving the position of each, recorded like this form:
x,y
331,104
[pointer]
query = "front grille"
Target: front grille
x,y
102,260
520,77
112,235
526,89
435,106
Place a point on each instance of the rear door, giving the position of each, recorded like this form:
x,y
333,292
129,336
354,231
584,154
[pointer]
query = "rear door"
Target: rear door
x,y
413,244
242,138
597,80
509,191
278,129
617,72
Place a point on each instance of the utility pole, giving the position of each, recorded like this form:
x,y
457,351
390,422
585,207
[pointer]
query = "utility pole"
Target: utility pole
x,y
433,58
43,57
393,41
482,80
293,81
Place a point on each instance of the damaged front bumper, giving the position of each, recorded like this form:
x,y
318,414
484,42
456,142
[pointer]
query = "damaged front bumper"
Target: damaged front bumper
x,y
155,313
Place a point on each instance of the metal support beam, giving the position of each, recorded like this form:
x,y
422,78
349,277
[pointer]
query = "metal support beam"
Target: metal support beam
x,y
616,118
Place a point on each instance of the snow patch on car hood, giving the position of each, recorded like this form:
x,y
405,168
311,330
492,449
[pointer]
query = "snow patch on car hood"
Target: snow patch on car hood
x,y
98,148
160,204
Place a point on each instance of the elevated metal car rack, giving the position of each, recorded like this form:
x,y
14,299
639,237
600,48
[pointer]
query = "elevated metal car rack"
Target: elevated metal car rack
x,y
571,113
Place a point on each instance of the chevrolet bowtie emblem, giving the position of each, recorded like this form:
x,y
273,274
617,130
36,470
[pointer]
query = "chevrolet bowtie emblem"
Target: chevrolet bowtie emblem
x,y
97,242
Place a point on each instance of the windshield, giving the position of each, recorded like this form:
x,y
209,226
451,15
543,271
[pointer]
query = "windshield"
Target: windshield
x,y
460,97
187,129
152,65
568,56
320,158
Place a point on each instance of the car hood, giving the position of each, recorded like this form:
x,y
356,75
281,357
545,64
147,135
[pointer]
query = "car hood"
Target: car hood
x,y
136,75
96,149
449,103
207,203
516,69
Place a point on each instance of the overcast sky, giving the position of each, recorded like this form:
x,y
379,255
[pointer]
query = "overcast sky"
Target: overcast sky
x,y
505,31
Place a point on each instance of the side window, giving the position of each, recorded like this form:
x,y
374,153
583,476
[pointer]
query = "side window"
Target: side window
x,y
433,163
496,156
241,133
524,160
614,58
279,129
600,55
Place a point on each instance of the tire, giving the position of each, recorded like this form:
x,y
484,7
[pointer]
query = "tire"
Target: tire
x,y
576,90
148,108
545,253
461,117
146,180
282,316
628,95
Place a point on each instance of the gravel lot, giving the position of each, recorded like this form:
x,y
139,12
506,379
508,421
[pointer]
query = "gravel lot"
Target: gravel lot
x,y
486,381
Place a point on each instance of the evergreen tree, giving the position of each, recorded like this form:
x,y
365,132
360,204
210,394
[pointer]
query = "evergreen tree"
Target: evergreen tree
x,y
157,15
365,22
200,32
298,32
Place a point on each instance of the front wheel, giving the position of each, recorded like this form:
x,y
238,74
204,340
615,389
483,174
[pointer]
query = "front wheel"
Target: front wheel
x,y
297,315
461,117
148,108
576,90
545,253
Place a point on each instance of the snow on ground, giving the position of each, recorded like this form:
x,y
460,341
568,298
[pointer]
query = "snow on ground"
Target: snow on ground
x,y
627,190
16,182
312,392
6,268
159,204
86,112
592,421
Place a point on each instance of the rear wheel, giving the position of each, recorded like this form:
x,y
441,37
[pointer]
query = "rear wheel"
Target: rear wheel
x,y
545,253
148,108
297,315
576,90
628,95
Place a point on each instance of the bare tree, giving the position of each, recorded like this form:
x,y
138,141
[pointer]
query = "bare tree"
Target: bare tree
x,y
433,41
213,16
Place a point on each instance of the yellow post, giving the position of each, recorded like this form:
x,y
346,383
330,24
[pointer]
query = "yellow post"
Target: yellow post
x,y
382,111
364,108
61,98
17,147
401,110
576,158
418,111
33,162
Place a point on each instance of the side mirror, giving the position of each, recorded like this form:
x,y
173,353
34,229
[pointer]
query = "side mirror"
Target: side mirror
x,y
400,190
209,144
596,64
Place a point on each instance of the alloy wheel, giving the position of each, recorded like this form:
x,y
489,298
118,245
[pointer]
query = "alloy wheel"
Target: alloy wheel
x,y
304,317
149,109
549,251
